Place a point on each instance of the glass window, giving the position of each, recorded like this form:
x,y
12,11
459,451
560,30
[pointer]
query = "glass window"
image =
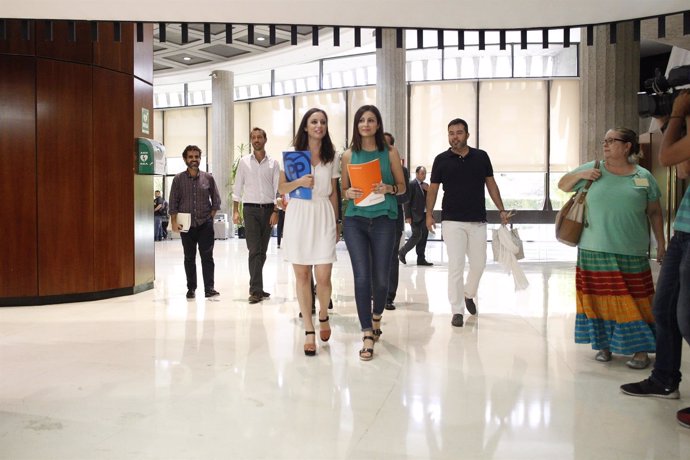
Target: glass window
x,y
199,92
158,116
252,85
241,124
241,93
274,115
209,135
557,197
513,124
184,127
519,190
168,95
536,61
432,106
424,64
494,62
473,63
349,71
298,74
564,125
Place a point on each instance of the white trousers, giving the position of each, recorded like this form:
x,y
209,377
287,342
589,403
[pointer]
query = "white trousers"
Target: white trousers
x,y
464,239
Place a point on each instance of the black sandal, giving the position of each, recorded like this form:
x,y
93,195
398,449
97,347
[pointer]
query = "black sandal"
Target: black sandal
x,y
309,348
367,354
376,330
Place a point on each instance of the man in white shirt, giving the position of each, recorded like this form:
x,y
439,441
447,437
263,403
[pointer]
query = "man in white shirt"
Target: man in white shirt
x,y
256,185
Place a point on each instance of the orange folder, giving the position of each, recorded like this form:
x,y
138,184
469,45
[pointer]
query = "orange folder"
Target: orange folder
x,y
364,176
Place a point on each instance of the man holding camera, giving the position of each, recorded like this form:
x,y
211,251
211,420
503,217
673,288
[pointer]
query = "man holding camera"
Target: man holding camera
x,y
672,298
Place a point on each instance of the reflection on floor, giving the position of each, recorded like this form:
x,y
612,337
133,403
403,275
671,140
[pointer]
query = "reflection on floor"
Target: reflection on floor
x,y
154,376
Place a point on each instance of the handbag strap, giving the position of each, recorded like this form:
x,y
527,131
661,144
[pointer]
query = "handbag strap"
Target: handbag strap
x,y
585,220
589,183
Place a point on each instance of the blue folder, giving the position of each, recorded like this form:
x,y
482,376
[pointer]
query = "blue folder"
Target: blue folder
x,y
296,164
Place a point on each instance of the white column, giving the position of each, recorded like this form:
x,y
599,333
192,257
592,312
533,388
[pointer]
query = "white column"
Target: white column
x,y
391,89
223,135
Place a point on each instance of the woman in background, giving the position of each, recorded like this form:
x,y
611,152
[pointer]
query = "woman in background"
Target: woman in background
x,y
613,277
310,225
370,230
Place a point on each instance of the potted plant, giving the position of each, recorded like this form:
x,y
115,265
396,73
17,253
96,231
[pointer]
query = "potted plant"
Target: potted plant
x,y
241,149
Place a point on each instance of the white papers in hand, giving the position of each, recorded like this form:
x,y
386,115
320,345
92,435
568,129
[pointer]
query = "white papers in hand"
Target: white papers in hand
x,y
184,219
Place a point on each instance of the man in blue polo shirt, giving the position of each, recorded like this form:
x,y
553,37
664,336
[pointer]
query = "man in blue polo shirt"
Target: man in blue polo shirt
x,y
464,172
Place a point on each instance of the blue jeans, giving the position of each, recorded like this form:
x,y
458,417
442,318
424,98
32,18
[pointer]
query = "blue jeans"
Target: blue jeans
x,y
672,310
370,244
157,227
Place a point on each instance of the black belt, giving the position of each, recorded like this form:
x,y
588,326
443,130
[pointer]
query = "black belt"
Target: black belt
x,y
257,205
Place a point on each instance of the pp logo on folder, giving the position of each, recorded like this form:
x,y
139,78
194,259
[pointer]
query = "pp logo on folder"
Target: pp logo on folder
x,y
297,164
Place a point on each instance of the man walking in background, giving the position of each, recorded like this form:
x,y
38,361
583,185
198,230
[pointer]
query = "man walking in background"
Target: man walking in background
x,y
399,228
256,186
158,205
415,215
194,192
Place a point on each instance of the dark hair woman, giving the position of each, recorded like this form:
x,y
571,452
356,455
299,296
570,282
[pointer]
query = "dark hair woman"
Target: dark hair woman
x,y
370,230
310,225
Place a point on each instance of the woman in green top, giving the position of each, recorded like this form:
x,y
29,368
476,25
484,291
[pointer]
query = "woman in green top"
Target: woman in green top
x,y
613,278
369,231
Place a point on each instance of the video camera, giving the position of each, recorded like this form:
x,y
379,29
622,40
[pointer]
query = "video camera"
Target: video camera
x,y
657,99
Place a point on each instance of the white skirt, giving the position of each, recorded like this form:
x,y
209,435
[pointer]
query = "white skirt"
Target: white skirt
x,y
309,232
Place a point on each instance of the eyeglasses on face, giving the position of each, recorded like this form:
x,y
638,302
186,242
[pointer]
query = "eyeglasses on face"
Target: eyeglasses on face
x,y
611,140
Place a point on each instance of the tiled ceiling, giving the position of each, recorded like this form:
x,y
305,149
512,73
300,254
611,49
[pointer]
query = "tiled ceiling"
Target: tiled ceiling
x,y
173,55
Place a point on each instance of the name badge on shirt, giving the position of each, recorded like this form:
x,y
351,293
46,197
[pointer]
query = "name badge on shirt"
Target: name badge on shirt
x,y
641,182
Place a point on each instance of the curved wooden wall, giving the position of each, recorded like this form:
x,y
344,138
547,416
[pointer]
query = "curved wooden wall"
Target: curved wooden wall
x,y
68,125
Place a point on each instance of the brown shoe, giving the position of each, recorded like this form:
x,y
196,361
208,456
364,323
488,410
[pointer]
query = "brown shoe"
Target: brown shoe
x,y
255,298
324,329
309,348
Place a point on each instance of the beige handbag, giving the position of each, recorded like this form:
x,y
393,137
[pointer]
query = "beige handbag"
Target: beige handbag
x,y
570,220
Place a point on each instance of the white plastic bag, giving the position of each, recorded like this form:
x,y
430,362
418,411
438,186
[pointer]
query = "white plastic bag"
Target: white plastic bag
x,y
507,246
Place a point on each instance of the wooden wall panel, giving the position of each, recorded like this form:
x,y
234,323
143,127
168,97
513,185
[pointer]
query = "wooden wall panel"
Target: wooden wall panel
x,y
61,47
114,55
143,99
143,55
113,177
18,271
15,43
65,178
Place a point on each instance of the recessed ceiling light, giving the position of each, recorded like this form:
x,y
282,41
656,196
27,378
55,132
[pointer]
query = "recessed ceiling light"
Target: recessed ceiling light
x,y
260,39
186,58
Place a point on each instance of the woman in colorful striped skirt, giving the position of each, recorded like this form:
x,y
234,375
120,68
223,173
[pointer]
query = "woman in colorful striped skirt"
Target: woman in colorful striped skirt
x,y
613,276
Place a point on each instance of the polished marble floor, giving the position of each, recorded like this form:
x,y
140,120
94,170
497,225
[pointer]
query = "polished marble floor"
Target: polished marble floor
x,y
154,376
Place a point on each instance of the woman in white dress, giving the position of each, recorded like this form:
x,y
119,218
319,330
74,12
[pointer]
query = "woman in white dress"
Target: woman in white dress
x,y
310,235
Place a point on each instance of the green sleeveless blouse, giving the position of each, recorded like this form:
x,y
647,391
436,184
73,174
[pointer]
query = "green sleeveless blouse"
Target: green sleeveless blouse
x,y
388,207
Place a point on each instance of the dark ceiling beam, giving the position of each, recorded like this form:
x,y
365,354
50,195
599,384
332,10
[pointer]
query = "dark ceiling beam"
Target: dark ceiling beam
x,y
293,35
